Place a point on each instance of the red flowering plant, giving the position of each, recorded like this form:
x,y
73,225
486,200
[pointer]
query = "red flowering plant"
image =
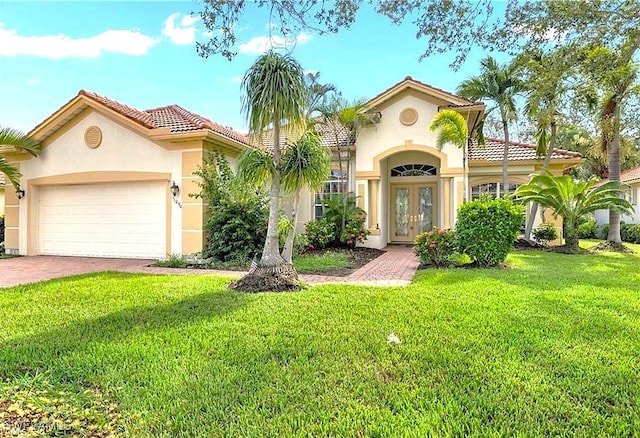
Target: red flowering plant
x,y
355,231
435,247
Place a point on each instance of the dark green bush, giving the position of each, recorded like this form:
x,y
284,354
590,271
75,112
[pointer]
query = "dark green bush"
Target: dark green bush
x,y
545,233
436,247
486,229
236,229
355,231
1,229
238,213
320,233
588,229
630,232
329,231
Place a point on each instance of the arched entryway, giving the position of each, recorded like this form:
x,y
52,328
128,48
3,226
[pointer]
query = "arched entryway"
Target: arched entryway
x,y
413,194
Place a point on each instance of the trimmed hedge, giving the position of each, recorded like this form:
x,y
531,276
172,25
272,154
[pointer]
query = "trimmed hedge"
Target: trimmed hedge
x,y
486,229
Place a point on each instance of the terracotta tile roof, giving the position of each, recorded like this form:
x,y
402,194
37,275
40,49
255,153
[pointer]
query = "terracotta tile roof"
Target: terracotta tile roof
x,y
173,117
340,137
494,149
628,176
410,79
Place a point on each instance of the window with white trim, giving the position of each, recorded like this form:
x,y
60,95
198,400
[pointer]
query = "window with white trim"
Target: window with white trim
x,y
493,189
336,183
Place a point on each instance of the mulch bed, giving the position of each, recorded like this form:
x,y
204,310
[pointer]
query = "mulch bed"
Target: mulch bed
x,y
357,258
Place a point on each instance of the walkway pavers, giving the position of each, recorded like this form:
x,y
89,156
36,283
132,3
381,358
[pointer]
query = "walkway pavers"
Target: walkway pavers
x,y
396,267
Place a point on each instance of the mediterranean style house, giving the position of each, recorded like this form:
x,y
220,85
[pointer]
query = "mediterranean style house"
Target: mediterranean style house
x,y
114,181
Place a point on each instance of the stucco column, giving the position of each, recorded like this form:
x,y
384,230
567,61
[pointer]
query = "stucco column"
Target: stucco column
x,y
194,210
11,220
447,204
372,214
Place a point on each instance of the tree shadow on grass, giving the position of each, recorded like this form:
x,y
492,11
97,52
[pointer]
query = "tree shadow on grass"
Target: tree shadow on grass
x,y
35,352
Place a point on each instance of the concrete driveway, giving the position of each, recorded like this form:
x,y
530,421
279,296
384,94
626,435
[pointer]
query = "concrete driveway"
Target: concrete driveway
x,y
21,270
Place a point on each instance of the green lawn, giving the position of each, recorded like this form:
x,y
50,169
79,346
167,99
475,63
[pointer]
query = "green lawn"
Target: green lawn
x,y
548,346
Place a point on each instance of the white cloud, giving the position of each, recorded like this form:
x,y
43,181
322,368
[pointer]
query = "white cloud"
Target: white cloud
x,y
261,44
33,82
62,46
180,29
236,79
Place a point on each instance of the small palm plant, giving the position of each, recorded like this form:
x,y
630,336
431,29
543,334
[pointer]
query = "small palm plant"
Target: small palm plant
x,y
21,142
572,200
453,129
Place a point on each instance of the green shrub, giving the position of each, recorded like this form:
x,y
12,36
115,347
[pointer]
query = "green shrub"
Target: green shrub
x,y
545,233
344,206
238,213
588,229
1,228
320,233
355,231
236,229
435,247
328,230
630,232
486,229
173,261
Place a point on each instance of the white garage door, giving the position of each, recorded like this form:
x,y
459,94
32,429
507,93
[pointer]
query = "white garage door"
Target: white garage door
x,y
104,220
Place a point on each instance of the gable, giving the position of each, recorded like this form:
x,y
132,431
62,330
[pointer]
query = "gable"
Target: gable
x,y
119,148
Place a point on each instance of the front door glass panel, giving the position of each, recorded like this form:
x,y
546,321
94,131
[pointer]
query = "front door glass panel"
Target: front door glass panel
x,y
402,211
425,209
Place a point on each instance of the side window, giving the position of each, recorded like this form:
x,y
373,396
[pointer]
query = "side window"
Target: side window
x,y
336,183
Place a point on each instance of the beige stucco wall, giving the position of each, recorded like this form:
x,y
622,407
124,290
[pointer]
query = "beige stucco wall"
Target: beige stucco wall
x,y
390,132
121,150
1,200
602,216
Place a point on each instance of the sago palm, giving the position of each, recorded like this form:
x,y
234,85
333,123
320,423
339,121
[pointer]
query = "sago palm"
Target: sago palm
x,y
12,140
499,84
453,129
572,200
274,94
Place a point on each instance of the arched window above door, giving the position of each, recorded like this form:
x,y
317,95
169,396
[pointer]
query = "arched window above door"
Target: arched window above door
x,y
414,170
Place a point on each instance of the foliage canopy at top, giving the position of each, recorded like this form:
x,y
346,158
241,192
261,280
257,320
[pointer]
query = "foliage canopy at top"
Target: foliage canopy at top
x,y
445,25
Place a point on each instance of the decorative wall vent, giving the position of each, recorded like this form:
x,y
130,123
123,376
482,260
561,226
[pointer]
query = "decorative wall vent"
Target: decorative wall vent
x,y
408,116
93,137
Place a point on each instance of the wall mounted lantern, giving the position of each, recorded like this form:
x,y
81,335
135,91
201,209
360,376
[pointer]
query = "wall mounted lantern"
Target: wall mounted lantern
x,y
20,193
175,192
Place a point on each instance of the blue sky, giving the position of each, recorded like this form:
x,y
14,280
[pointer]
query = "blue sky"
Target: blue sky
x,y
143,54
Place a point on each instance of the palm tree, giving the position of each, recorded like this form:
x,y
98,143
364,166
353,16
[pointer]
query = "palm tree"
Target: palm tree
x,y
453,129
306,163
18,140
616,71
572,200
499,84
316,93
274,94
546,85
345,119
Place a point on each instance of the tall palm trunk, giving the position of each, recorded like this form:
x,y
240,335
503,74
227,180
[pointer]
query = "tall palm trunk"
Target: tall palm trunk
x,y
271,252
287,250
614,174
545,165
505,157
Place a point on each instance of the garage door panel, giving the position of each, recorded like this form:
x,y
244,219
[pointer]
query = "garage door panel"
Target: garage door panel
x,y
105,220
